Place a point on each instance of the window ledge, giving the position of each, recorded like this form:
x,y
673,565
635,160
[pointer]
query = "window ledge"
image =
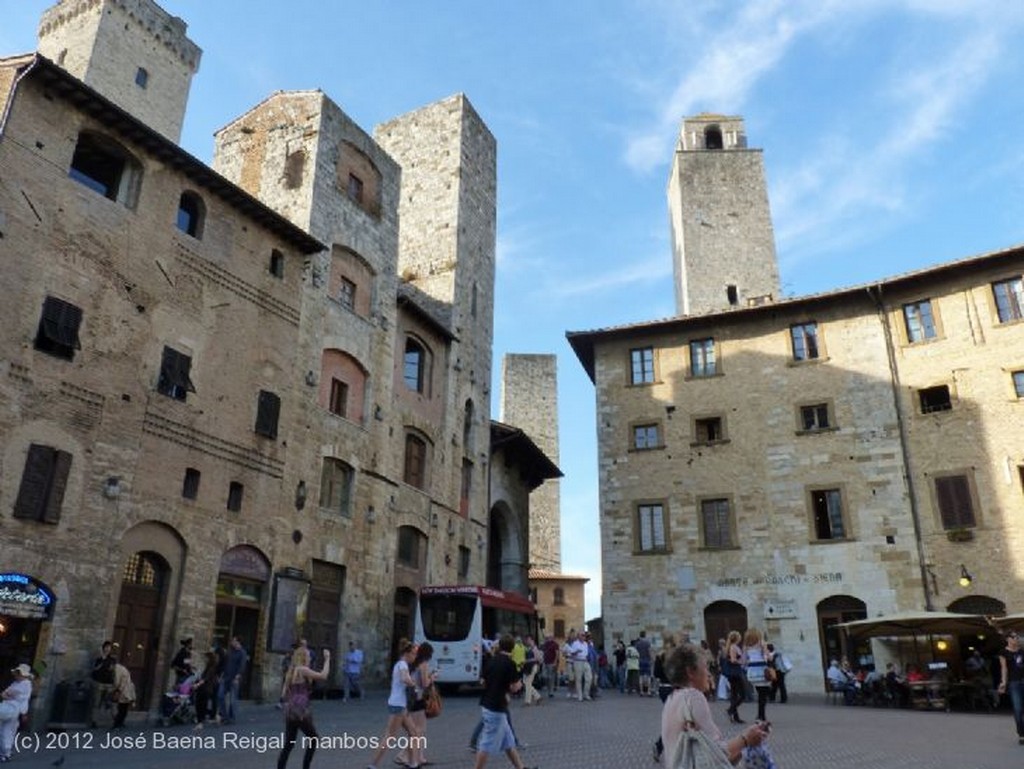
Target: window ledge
x,y
717,442
645,384
698,377
707,549
808,362
661,551
924,342
818,430
836,541
334,515
637,450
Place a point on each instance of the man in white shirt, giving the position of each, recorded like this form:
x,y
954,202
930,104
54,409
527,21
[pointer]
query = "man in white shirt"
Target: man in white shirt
x,y
577,653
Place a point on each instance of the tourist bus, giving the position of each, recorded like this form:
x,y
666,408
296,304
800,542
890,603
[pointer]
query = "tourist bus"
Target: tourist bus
x,y
457,618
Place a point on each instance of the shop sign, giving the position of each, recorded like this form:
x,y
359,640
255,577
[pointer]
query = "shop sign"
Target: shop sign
x,y
25,597
780,580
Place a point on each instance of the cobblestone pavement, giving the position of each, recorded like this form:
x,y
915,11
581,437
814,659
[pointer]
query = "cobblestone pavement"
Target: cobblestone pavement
x,y
615,731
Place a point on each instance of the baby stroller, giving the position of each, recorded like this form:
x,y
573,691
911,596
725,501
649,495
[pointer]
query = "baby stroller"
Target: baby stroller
x,y
178,706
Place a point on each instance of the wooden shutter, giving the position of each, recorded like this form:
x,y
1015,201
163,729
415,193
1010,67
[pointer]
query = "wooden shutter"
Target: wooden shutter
x,y
58,483
268,409
954,497
43,482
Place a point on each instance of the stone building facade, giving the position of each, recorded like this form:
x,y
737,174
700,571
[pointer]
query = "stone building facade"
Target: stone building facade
x,y
560,601
259,393
529,399
795,464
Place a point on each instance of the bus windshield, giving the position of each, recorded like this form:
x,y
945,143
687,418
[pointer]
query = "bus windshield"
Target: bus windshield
x,y
447,617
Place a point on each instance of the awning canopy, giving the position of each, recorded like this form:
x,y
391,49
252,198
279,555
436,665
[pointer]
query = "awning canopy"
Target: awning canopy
x,y
1010,622
919,623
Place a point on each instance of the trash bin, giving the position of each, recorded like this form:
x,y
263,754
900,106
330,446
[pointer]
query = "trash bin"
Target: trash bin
x,y
72,701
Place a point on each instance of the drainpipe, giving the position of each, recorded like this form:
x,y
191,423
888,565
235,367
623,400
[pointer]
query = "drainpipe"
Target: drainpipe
x,y
13,92
875,292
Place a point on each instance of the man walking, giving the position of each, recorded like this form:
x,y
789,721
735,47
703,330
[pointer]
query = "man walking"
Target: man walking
x,y
353,670
550,649
227,691
500,681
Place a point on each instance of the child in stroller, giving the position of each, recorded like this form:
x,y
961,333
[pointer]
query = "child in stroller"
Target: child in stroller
x,y
178,706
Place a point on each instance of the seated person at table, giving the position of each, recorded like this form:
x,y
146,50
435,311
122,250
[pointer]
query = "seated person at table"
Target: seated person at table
x,y
840,681
897,685
914,674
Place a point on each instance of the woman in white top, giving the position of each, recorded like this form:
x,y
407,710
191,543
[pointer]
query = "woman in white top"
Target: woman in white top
x,y
398,715
687,708
14,704
755,657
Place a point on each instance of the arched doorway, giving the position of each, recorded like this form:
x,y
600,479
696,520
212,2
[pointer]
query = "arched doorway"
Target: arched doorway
x,y
241,584
405,614
719,618
986,644
506,567
834,642
139,618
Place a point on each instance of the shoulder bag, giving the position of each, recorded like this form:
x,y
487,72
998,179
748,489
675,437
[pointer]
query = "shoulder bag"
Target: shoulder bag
x,y
434,704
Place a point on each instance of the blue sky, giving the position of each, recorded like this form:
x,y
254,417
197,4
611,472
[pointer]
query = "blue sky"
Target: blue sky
x,y
891,132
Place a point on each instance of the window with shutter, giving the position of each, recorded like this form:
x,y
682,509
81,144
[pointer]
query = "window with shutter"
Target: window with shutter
x,y
268,410
953,493
174,380
58,328
43,482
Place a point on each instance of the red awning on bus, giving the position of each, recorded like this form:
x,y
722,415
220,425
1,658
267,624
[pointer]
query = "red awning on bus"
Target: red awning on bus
x,y
498,599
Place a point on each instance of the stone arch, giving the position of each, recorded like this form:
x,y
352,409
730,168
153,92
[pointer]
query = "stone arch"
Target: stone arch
x,y
834,643
506,563
978,604
713,138
720,617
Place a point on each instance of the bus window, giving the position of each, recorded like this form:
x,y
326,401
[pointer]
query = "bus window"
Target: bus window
x,y
447,617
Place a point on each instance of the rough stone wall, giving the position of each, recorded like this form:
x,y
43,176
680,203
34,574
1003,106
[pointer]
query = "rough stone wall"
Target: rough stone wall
x,y
447,254
141,285
104,42
529,401
721,224
765,467
572,610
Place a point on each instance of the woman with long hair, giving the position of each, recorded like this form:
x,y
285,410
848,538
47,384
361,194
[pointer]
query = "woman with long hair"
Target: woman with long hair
x,y
423,677
398,714
734,672
296,694
687,708
755,658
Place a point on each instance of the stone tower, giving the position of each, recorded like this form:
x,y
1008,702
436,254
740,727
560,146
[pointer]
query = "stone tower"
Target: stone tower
x,y
131,51
529,401
446,249
723,246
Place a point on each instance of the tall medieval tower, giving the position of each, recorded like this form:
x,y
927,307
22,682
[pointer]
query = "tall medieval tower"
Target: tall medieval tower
x,y
529,401
131,51
723,246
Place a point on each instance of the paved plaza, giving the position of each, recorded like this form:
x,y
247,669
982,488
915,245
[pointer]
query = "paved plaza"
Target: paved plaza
x,y
614,732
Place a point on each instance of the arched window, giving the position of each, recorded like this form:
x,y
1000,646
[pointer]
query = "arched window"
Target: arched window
x,y
415,366
191,214
104,166
713,138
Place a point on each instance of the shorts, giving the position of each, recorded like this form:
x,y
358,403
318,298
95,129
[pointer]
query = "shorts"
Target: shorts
x,y
496,736
645,667
396,710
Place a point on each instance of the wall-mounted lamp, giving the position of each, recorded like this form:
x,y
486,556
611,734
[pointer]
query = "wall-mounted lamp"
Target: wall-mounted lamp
x,y
480,541
965,578
433,520
371,514
451,528
941,645
300,495
112,488
932,578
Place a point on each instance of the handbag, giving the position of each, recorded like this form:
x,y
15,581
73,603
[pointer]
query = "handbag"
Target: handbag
x,y
771,675
433,702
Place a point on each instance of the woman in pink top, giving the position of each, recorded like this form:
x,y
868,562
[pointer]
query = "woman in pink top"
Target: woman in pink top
x,y
687,707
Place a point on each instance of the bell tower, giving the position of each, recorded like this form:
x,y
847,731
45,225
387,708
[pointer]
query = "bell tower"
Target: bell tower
x,y
132,51
723,245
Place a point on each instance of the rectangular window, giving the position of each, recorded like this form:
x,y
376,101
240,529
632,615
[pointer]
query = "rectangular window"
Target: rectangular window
x,y
646,437
58,328
190,486
651,528
805,341
268,412
1009,296
174,379
953,493
919,321
347,293
339,398
43,481
415,461
642,365
464,553
414,364
559,628
708,430
1018,383
935,399
702,358
827,507
336,486
235,491
717,523
409,547
355,188
815,417
141,77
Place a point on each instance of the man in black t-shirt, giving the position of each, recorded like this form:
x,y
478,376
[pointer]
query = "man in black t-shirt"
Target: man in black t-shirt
x,y
103,682
500,680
